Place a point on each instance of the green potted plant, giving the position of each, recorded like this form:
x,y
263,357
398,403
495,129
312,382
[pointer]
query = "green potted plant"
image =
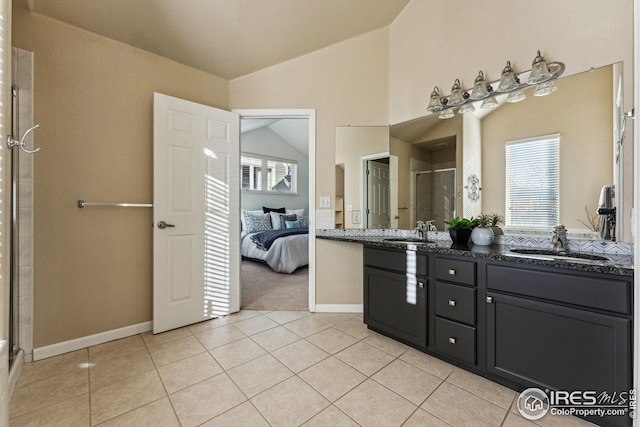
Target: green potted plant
x,y
460,228
492,221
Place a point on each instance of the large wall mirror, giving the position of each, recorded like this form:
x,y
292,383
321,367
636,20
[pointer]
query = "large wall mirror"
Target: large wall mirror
x,y
433,169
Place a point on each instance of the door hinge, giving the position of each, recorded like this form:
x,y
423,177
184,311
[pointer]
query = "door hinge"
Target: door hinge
x,y
489,300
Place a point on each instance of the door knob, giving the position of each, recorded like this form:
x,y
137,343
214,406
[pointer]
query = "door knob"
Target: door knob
x,y
162,225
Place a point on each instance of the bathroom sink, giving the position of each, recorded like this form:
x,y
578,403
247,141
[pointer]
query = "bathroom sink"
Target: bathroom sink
x,y
546,253
407,240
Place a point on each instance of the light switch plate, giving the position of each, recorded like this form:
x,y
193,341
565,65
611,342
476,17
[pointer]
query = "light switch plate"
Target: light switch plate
x,y
355,217
325,202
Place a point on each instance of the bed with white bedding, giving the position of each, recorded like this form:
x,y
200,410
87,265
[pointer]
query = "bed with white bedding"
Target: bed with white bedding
x,y
276,237
284,255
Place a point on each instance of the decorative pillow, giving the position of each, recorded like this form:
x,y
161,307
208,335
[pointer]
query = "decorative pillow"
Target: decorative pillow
x,y
298,212
304,221
267,210
292,224
285,218
257,221
275,220
243,221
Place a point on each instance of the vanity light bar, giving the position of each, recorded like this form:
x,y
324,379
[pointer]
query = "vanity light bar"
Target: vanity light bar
x,y
541,74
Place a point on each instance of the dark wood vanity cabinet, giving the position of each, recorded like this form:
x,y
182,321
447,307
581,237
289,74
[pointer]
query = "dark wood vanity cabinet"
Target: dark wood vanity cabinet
x,y
519,324
395,294
559,331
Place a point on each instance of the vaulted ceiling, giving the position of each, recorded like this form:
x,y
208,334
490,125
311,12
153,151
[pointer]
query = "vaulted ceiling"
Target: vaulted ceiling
x,y
227,38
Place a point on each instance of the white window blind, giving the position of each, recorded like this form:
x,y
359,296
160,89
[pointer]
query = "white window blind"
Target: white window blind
x,y
251,170
533,182
266,174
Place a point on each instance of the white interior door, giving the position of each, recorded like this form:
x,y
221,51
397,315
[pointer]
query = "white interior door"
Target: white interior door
x,y
378,215
196,200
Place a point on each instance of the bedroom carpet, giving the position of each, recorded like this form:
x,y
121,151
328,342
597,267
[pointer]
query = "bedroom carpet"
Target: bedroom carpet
x,y
264,289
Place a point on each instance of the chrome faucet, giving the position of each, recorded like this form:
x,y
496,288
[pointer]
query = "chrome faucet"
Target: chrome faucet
x,y
421,228
559,238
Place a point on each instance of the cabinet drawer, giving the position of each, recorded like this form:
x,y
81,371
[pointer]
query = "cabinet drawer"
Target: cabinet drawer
x,y
456,340
592,292
396,260
455,270
455,302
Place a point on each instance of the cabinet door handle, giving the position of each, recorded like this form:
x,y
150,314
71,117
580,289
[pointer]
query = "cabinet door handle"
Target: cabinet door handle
x,y
452,272
452,340
452,302
421,285
489,300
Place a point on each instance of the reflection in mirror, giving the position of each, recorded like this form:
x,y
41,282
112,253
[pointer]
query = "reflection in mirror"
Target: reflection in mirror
x,y
428,148
580,114
435,196
585,111
364,200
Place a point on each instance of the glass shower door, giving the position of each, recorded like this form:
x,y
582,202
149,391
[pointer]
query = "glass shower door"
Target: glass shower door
x,y
436,196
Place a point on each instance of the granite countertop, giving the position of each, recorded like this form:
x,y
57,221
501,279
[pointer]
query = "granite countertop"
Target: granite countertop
x,y
621,265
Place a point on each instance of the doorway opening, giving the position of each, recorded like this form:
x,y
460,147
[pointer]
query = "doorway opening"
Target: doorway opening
x,y
378,173
277,209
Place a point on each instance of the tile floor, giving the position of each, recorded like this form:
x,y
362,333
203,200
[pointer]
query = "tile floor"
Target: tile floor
x,y
261,369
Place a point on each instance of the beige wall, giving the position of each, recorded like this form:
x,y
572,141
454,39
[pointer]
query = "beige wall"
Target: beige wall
x,y
418,60
347,85
426,52
582,34
94,100
342,281
94,97
580,111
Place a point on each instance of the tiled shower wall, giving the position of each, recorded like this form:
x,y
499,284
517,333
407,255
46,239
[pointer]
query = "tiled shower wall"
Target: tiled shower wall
x,y
23,77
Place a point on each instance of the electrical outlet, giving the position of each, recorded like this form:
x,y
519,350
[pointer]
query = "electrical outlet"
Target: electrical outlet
x,y
355,217
325,202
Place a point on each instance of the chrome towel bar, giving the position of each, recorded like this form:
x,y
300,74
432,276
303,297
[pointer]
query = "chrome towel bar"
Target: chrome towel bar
x,y
82,204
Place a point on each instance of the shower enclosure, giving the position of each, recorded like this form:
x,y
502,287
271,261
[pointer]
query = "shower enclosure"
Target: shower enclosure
x,y
21,249
436,196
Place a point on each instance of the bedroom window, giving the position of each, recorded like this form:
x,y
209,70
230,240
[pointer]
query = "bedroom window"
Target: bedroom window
x,y
251,173
268,174
533,182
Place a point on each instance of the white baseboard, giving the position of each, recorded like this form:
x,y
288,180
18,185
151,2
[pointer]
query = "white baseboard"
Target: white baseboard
x,y
339,308
88,341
